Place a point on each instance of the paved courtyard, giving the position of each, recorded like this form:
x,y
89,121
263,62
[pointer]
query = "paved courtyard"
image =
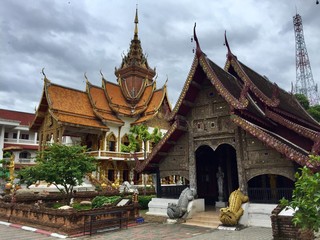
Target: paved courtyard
x,y
159,231
150,231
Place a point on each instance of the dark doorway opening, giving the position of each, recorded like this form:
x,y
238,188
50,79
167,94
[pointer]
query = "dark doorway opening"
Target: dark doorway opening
x,y
207,163
206,167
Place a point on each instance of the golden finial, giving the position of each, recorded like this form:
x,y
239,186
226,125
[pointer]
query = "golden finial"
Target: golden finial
x,y
136,21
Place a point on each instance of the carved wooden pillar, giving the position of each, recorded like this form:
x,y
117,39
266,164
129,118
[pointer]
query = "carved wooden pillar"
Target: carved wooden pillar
x,y
40,140
55,135
158,184
240,155
61,132
191,156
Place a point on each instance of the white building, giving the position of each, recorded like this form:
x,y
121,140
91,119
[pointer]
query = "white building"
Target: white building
x,y
16,138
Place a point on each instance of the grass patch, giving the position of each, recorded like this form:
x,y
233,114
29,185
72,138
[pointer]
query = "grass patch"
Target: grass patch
x,y
76,206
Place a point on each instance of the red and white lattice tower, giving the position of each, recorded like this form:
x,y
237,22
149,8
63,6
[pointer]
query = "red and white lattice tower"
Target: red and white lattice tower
x,y
304,78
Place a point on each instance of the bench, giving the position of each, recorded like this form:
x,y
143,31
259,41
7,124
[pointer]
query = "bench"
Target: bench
x,y
105,221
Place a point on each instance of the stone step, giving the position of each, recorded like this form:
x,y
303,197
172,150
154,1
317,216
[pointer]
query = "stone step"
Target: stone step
x,y
206,225
209,219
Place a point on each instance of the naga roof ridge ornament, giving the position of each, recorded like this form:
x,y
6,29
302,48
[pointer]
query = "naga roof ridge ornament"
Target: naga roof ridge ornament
x,y
198,49
45,79
101,74
229,54
42,71
85,76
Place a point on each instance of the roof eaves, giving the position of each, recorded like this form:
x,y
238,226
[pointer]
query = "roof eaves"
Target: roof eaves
x,y
285,149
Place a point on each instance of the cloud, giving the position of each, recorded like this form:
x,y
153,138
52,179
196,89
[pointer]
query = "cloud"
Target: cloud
x,y
70,37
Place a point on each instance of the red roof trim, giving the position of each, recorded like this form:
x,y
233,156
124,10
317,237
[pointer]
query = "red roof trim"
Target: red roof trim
x,y
274,143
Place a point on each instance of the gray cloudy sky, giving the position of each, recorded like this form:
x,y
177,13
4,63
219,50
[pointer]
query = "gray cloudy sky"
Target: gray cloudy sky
x,y
71,37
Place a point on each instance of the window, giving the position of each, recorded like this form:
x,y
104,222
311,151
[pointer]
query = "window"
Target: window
x,y
14,135
125,140
112,142
24,155
112,146
6,135
24,136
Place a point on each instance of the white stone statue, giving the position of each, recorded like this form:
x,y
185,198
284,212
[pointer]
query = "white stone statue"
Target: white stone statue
x,y
220,176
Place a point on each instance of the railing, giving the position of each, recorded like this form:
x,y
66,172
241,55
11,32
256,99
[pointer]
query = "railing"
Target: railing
x,y
268,195
172,191
22,141
25,160
115,155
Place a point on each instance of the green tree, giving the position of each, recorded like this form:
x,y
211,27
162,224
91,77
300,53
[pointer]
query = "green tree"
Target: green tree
x,y
306,198
314,111
4,171
60,165
303,100
141,133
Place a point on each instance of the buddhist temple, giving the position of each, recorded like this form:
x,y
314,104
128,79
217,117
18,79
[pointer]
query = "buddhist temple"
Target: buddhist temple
x,y
101,116
236,120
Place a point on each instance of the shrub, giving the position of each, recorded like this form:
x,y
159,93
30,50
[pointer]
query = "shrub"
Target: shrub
x,y
306,198
99,201
79,207
144,201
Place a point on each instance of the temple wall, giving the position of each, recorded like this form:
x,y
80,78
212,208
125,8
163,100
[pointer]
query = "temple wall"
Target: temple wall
x,y
261,159
176,163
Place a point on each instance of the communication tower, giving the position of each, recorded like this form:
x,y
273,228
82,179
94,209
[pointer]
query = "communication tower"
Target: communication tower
x,y
304,78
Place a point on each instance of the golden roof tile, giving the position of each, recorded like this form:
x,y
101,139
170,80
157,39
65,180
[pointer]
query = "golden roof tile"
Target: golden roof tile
x,y
78,120
69,100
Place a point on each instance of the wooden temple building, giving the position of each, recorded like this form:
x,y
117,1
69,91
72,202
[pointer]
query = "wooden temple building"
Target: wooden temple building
x,y
236,119
101,116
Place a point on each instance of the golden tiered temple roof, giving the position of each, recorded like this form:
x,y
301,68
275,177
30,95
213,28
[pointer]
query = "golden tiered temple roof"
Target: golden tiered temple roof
x,y
134,95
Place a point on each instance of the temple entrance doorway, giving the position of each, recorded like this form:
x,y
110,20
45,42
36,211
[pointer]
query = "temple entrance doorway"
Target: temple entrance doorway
x,y
208,162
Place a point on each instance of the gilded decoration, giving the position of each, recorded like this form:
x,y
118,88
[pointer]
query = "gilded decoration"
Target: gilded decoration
x,y
230,215
236,103
313,135
185,87
290,153
242,74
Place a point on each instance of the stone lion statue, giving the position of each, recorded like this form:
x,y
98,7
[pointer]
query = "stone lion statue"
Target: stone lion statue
x,y
230,215
179,210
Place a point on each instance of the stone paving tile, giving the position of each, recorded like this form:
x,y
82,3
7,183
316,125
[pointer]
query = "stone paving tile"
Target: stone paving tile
x,y
150,231
153,231
249,233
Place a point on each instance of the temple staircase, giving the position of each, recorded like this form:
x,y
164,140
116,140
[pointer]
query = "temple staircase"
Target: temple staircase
x,y
208,218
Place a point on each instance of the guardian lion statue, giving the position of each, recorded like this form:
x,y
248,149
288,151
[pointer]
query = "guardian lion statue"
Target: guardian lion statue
x,y
179,210
230,215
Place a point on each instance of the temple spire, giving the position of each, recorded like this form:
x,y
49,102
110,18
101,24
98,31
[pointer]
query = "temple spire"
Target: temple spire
x,y
134,73
136,21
